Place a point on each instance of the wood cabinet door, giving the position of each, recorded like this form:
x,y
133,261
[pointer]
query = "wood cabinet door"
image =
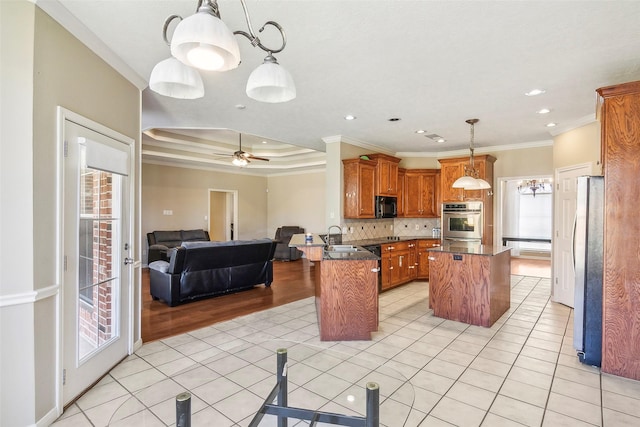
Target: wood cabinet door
x,y
385,266
392,180
366,197
420,194
401,192
412,198
387,178
351,208
399,263
449,172
428,196
413,262
423,256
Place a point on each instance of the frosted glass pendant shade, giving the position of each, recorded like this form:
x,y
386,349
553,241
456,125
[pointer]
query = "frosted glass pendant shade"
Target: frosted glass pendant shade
x,y
203,41
482,184
465,182
174,79
270,82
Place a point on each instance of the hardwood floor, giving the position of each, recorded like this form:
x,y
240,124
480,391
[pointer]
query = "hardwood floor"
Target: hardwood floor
x,y
531,267
293,281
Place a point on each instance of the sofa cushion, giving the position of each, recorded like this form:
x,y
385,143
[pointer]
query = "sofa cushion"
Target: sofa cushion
x,y
192,235
162,266
162,237
201,244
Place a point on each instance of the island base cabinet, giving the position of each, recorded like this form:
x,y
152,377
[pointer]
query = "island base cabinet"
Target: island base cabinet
x,y
347,299
473,289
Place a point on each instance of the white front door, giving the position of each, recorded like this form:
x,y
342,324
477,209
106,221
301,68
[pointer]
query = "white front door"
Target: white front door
x,y
96,267
565,213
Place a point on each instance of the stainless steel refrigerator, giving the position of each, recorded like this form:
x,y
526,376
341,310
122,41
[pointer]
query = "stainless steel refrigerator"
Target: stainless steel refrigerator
x,y
587,255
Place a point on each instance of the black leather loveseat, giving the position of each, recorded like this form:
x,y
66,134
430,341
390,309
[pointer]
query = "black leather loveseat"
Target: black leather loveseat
x,y
161,241
198,270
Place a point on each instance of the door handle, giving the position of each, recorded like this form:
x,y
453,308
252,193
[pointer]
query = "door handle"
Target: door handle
x,y
128,261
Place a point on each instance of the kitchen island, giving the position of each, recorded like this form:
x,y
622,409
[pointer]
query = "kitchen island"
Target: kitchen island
x,y
470,283
346,288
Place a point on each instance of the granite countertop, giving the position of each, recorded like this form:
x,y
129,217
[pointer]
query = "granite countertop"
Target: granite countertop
x,y
470,249
360,255
383,240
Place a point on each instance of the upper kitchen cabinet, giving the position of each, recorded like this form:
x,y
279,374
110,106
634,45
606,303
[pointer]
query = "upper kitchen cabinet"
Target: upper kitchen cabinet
x,y
452,169
386,174
402,192
619,113
359,188
420,195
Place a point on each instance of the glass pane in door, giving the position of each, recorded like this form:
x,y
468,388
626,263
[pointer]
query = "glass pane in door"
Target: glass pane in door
x,y
99,259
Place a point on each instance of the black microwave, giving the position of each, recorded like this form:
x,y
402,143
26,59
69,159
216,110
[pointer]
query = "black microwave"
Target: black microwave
x,y
386,207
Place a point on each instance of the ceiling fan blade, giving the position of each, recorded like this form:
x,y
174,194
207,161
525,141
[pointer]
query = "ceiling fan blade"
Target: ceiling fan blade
x,y
252,157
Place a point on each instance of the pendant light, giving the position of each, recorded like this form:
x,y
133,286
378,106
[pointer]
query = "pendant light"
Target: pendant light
x,y
470,179
204,41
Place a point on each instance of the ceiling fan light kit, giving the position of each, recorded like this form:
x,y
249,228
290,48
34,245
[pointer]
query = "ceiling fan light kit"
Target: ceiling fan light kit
x,y
204,41
242,158
470,180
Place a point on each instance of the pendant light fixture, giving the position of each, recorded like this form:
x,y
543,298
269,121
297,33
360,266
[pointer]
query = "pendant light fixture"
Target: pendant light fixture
x,y
204,41
470,180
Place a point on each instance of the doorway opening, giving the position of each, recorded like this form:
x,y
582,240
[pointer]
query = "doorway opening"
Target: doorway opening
x,y
222,218
526,216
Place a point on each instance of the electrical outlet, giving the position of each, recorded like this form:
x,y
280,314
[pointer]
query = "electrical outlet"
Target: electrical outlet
x,y
167,212
417,226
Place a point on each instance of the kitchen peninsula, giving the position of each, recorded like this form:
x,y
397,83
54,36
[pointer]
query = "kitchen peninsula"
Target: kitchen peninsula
x,y
470,283
346,288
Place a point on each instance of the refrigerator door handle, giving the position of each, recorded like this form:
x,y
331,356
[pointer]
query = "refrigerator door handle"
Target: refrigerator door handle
x,y
573,242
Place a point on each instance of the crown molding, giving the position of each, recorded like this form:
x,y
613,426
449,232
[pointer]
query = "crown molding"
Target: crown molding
x,y
583,121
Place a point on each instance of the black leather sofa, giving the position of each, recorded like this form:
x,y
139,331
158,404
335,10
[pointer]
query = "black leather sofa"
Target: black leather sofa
x,y
161,241
198,270
283,236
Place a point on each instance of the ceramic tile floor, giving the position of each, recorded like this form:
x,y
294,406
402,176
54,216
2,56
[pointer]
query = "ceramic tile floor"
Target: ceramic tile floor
x,y
432,372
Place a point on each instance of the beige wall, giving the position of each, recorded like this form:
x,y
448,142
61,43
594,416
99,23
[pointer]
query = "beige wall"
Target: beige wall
x,y
297,200
186,193
42,67
580,145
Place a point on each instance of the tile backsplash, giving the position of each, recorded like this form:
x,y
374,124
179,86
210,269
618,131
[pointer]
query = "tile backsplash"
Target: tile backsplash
x,y
360,229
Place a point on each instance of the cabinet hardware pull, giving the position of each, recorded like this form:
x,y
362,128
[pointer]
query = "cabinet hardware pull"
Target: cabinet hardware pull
x,y
375,270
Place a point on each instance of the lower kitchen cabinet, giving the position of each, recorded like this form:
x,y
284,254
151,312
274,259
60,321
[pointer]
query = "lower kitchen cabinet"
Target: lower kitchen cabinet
x,y
422,268
398,264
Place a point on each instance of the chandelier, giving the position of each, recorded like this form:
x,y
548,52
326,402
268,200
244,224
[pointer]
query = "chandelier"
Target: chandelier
x,y
471,180
532,186
202,41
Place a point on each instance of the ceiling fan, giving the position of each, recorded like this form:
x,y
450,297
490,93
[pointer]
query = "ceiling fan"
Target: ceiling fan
x,y
240,157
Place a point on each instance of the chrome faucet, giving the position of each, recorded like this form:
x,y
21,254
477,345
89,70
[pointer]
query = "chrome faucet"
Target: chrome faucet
x,y
331,240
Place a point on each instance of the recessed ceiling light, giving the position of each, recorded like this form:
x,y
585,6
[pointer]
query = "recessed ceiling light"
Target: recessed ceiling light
x,y
394,119
420,131
349,117
240,107
534,92
544,111
552,124
264,142
440,140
